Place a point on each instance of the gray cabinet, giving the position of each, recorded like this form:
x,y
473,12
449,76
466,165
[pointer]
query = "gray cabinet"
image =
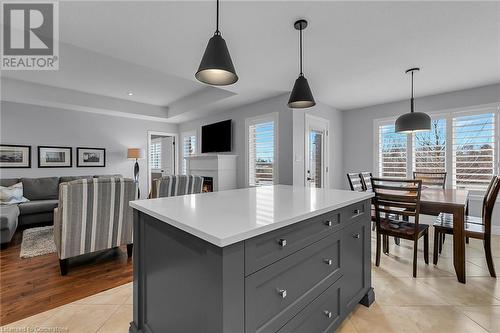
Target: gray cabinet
x,y
306,277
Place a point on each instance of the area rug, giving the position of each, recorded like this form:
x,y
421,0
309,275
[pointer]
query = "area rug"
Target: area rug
x,y
37,242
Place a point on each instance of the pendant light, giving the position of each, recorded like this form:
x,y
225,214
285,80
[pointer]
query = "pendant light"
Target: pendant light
x,y
301,96
413,121
216,67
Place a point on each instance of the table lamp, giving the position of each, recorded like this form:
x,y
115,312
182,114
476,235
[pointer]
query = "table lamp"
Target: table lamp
x,y
136,153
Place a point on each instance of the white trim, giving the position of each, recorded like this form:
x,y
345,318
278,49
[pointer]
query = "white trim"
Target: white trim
x,y
322,124
176,154
273,116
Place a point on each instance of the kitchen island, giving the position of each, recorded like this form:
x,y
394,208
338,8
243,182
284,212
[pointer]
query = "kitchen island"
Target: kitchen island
x,y
267,259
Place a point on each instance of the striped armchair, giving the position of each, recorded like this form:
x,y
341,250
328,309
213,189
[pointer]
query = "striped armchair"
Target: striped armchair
x,y
173,185
93,215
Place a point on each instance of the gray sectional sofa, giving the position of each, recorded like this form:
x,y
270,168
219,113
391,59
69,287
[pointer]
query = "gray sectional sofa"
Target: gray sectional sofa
x,y
43,194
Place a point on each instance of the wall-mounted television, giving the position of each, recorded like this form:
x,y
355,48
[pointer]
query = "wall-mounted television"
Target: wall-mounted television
x,y
216,138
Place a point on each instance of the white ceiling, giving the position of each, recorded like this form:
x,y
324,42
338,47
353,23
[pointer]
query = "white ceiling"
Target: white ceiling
x,y
355,52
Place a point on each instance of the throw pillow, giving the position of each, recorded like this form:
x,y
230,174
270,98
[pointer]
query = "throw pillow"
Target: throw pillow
x,y
12,194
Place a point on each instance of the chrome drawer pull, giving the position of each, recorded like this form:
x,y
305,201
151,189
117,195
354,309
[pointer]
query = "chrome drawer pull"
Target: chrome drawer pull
x,y
355,236
328,314
328,223
282,242
357,212
282,292
329,262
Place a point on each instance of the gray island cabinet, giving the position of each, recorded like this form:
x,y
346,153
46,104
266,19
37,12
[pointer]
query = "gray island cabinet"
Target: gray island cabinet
x,y
268,259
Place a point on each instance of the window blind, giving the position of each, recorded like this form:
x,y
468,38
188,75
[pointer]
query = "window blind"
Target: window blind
x,y
473,150
155,155
392,152
188,148
429,148
261,153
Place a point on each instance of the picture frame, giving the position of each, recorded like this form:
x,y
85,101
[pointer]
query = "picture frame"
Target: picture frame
x,y
87,157
15,156
55,157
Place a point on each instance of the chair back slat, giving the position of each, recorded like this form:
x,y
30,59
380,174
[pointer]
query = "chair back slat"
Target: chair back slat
x,y
355,182
487,194
431,179
489,204
366,180
397,197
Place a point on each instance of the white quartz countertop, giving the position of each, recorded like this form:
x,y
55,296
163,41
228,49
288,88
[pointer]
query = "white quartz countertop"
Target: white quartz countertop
x,y
227,217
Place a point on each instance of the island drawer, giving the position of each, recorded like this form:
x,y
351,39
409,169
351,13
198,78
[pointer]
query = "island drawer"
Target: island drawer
x,y
321,315
278,292
266,249
356,211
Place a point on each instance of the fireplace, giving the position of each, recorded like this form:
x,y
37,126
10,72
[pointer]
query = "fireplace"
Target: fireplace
x,y
208,184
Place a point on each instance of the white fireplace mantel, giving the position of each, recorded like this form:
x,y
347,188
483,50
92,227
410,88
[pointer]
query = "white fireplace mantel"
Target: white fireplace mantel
x,y
221,167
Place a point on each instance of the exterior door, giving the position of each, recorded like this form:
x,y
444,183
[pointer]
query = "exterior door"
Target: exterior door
x,y
316,152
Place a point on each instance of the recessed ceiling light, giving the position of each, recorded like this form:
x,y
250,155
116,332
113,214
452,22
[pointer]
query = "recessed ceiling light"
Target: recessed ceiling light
x,y
130,93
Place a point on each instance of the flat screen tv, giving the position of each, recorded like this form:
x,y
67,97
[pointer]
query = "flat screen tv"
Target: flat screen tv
x,y
216,138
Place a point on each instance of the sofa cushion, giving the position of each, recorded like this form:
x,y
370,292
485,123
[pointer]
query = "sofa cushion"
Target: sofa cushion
x,y
9,181
41,188
38,206
12,194
8,216
66,179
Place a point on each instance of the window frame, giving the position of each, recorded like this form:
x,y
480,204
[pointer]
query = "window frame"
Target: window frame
x,y
183,136
273,116
448,115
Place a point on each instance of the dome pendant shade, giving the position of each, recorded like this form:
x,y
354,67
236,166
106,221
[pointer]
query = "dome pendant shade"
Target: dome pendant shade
x,y
216,67
301,96
413,122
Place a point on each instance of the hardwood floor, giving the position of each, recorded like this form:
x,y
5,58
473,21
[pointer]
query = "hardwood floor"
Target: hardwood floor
x,y
34,285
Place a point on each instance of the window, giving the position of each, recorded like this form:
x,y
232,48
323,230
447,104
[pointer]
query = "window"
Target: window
x,y
429,148
188,148
155,154
392,152
473,150
262,169
462,143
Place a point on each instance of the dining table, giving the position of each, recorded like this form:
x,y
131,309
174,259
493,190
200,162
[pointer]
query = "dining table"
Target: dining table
x,y
453,201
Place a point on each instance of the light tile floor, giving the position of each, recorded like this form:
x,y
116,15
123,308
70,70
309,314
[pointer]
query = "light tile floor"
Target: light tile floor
x,y
433,302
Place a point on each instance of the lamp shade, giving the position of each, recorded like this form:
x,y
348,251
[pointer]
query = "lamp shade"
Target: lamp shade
x,y
135,153
413,122
301,96
216,67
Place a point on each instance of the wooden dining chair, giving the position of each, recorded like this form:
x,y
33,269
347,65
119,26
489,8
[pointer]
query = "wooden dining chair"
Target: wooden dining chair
x,y
395,198
366,180
474,227
355,182
431,179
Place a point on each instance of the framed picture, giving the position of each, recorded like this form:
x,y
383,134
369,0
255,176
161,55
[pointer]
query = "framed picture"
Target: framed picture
x,y
55,157
15,156
90,157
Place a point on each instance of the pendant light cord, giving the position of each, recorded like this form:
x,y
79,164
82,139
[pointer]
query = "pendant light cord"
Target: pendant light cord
x,y
300,56
217,32
412,100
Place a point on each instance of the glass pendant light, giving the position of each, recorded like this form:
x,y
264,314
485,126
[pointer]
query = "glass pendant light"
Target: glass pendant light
x,y
301,96
216,67
413,121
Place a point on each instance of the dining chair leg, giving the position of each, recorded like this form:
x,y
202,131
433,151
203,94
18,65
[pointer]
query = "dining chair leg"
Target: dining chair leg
x,y
377,256
397,241
489,258
441,242
436,246
426,247
415,252
466,240
443,238
373,226
386,244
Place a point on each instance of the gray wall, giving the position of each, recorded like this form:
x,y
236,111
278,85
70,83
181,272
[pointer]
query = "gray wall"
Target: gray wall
x,y
358,124
238,115
336,168
36,125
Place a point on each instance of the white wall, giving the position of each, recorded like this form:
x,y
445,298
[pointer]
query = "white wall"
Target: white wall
x,y
336,169
238,115
33,125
